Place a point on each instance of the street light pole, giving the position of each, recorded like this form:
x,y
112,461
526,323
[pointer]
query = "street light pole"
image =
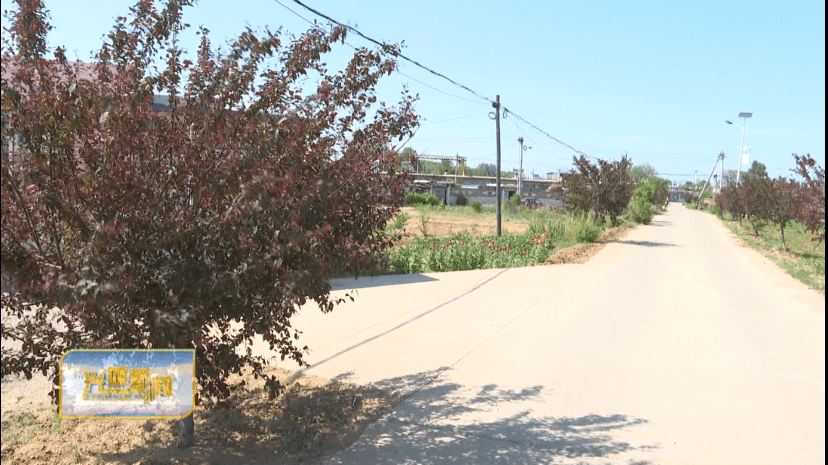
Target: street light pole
x,y
520,167
744,115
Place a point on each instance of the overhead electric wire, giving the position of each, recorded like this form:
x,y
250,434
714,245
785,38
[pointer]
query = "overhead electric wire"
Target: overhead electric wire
x,y
438,90
453,119
297,14
356,31
536,144
505,110
397,70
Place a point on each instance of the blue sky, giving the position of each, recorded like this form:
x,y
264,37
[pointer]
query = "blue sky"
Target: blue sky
x,y
655,80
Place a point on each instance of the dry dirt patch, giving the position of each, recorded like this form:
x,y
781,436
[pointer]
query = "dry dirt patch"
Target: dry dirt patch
x,y
449,222
581,253
311,421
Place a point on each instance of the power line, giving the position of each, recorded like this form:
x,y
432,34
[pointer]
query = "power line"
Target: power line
x,y
456,139
397,53
453,119
397,70
297,14
536,144
382,45
438,90
507,111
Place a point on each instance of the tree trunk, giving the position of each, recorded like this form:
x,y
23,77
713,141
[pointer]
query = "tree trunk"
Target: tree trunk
x,y
174,334
782,230
186,436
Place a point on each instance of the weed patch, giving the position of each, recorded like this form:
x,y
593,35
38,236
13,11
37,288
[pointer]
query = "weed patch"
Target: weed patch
x,y
546,231
804,260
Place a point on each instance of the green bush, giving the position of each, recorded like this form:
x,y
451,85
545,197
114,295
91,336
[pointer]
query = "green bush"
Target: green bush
x,y
421,198
560,227
566,228
398,222
477,206
512,204
464,252
462,199
539,225
651,193
640,209
587,231
716,210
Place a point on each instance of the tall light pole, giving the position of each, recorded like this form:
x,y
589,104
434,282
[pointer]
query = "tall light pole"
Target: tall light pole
x,y
744,115
520,167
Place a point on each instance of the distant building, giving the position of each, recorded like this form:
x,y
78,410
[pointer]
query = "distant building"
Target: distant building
x,y
484,188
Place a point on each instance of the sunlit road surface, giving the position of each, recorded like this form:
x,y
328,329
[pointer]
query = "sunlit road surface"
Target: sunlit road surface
x,y
674,345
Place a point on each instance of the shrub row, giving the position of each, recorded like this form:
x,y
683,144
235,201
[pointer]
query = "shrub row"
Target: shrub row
x,y
421,198
761,200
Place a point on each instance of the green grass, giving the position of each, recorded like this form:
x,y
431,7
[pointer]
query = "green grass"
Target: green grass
x,y
21,428
804,260
547,231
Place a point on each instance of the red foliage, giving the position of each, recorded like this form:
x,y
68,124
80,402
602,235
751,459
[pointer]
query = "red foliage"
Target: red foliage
x,y
151,229
781,208
603,188
810,202
755,195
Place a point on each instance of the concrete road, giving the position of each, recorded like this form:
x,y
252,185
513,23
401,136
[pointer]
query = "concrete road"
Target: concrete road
x,y
674,345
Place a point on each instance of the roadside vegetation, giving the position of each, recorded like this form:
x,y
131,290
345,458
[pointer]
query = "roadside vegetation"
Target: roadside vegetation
x,y
804,259
453,238
782,218
153,229
544,232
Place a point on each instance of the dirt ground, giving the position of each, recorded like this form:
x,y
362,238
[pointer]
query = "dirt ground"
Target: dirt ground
x,y
313,419
441,226
581,253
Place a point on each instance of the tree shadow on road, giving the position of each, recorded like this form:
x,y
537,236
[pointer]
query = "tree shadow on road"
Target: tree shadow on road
x,y
417,418
445,422
348,283
647,243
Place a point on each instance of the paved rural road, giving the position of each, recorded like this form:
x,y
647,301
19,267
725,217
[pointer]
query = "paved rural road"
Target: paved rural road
x,y
675,345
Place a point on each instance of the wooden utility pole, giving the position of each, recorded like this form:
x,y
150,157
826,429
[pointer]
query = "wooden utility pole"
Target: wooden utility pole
x,y
496,106
718,159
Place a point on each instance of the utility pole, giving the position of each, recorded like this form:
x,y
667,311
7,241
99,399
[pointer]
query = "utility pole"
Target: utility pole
x,y
719,158
496,106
